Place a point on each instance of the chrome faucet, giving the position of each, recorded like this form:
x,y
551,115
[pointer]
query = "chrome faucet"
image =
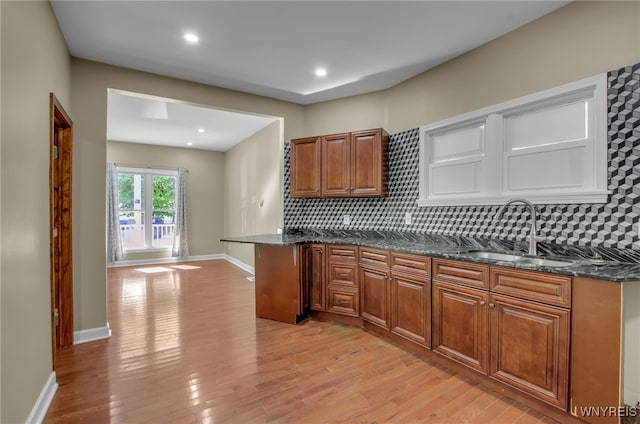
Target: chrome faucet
x,y
533,233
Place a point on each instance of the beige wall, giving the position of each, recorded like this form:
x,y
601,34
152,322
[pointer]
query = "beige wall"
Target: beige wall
x,y
35,61
90,81
253,192
579,40
354,113
204,189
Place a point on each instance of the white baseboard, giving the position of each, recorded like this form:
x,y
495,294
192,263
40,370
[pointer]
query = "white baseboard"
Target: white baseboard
x,y
240,264
91,335
40,408
166,260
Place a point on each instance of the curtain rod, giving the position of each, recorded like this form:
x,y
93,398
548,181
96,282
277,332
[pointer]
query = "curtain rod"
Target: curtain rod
x,y
162,168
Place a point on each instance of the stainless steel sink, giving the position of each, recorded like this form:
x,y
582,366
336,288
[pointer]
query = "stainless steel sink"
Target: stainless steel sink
x,y
524,260
544,262
495,256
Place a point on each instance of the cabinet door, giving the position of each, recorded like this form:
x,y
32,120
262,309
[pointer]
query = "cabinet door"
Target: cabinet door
x,y
374,296
411,308
335,165
305,278
368,163
530,347
305,167
460,322
318,279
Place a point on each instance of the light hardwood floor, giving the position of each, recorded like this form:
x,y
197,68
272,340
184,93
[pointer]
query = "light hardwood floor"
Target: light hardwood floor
x,y
187,348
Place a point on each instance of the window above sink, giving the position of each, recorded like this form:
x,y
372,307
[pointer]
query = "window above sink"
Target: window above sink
x,y
550,147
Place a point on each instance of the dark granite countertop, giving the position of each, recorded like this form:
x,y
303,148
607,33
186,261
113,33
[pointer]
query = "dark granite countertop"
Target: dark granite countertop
x,y
599,263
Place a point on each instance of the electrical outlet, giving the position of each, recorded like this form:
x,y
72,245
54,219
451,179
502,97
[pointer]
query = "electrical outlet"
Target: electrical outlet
x,y
346,219
407,218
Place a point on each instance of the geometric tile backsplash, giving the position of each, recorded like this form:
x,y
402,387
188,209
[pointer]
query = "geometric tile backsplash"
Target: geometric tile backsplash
x,y
611,224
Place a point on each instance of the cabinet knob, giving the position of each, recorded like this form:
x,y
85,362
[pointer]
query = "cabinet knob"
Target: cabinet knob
x,y
492,305
482,302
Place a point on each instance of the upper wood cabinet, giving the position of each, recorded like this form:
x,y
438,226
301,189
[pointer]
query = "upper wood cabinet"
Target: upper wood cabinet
x,y
305,167
336,165
369,163
340,165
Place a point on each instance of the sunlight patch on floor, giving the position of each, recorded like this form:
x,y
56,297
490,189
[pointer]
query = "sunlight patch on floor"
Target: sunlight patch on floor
x,y
185,267
153,269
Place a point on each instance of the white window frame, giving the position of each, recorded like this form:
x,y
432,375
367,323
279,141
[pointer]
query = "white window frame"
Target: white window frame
x,y
495,179
148,173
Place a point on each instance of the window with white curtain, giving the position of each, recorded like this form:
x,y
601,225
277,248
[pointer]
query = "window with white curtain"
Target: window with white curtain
x,y
549,147
147,208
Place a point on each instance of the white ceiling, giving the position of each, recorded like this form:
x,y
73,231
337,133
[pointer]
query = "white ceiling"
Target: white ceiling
x,y
137,118
272,48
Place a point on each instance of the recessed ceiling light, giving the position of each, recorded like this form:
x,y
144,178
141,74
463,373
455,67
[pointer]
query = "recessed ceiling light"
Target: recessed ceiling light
x,y
189,144
321,72
191,37
200,130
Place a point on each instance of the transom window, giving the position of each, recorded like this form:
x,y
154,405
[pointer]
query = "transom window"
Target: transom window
x,y
147,208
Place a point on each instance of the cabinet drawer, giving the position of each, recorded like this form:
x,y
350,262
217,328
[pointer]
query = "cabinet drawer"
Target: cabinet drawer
x,y
467,273
411,264
374,257
531,285
343,274
344,301
342,253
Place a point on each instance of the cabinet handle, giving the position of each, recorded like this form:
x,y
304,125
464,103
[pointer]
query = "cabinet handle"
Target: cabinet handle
x,y
492,305
482,302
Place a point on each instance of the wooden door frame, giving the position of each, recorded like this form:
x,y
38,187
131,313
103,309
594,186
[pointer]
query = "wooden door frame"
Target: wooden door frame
x,y
61,142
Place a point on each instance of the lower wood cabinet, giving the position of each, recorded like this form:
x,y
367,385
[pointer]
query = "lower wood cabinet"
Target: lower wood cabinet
x,y
279,282
510,338
411,308
318,278
510,325
343,286
343,301
374,292
530,347
460,324
411,297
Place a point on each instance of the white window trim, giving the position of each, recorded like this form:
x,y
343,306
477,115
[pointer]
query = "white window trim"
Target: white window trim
x,y
493,115
148,206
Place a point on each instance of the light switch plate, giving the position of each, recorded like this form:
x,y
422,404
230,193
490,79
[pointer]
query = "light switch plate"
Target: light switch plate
x,y
407,218
346,219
